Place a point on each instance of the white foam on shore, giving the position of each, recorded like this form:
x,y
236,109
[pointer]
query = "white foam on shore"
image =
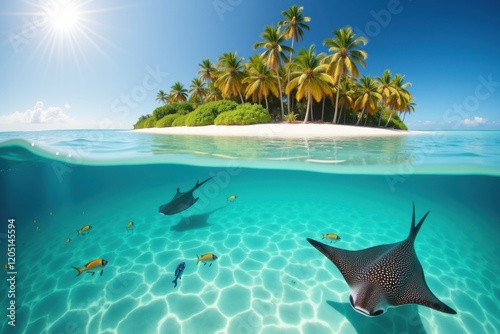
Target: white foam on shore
x,y
280,130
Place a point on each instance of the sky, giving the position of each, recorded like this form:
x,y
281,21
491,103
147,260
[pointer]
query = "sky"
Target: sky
x,y
100,63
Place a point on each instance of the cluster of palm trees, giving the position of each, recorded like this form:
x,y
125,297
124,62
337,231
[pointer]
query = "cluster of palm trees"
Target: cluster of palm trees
x,y
308,76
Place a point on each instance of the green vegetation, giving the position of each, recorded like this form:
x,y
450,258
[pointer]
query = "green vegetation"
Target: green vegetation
x,y
319,86
206,113
166,121
243,115
291,117
180,121
174,108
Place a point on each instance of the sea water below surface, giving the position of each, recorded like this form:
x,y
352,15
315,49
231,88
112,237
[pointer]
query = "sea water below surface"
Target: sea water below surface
x,y
267,278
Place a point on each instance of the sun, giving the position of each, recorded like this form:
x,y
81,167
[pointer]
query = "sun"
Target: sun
x,y
65,17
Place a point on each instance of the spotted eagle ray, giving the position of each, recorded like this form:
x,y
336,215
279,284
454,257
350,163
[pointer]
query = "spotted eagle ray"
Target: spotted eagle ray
x,y
181,201
384,276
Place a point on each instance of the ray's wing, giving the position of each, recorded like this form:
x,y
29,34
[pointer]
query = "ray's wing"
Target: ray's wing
x,y
417,292
350,263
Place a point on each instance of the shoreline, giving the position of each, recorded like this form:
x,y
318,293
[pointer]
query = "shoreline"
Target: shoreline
x,y
283,130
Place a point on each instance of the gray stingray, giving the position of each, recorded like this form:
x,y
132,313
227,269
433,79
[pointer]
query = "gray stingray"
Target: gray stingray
x,y
384,276
181,201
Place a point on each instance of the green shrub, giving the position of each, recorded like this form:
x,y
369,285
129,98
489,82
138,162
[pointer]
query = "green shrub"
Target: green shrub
x,y
245,114
395,122
180,120
140,122
291,117
170,109
206,113
149,122
166,121
183,112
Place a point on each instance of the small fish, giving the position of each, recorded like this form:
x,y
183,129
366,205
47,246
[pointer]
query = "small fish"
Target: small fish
x,y
84,230
206,258
92,267
68,240
34,221
231,198
178,272
6,267
130,225
332,237
37,228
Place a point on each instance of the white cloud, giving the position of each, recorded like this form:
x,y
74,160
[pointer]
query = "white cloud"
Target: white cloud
x,y
37,115
67,106
474,122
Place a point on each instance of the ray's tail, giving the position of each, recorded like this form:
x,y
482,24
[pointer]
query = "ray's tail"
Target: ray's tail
x,y
414,229
199,184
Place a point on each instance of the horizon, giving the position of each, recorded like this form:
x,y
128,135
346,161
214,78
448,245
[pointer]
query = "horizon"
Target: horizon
x,y
92,65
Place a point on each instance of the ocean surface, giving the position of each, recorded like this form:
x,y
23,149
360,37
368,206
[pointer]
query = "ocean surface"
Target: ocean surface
x,y
267,277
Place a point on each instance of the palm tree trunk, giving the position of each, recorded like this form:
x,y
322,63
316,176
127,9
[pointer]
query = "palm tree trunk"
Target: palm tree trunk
x,y
288,80
267,104
241,97
281,95
340,113
307,107
360,117
389,119
323,110
380,116
404,116
337,98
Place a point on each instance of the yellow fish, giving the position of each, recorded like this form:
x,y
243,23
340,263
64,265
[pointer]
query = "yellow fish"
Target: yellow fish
x,y
84,230
206,258
130,225
231,198
68,240
92,267
6,266
331,236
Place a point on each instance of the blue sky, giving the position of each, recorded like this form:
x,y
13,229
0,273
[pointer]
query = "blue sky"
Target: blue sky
x,y
100,63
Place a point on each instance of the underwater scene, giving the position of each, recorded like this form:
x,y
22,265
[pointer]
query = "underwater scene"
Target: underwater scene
x,y
121,232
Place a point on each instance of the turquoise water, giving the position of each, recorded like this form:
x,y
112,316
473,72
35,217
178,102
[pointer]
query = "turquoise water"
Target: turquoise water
x,y
267,278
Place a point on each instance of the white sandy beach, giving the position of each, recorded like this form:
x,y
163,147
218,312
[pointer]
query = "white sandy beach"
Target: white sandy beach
x,y
285,130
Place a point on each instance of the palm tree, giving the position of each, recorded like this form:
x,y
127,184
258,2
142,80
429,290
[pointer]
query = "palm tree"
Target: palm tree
x,y
309,77
346,95
161,97
207,71
410,107
274,54
346,54
230,74
400,98
178,92
294,25
213,93
367,97
260,80
385,89
197,89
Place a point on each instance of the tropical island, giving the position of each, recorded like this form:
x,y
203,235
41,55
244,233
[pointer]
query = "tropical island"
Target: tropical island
x,y
281,85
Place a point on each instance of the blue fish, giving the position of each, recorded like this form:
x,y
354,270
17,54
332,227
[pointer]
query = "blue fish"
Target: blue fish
x,y
178,272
